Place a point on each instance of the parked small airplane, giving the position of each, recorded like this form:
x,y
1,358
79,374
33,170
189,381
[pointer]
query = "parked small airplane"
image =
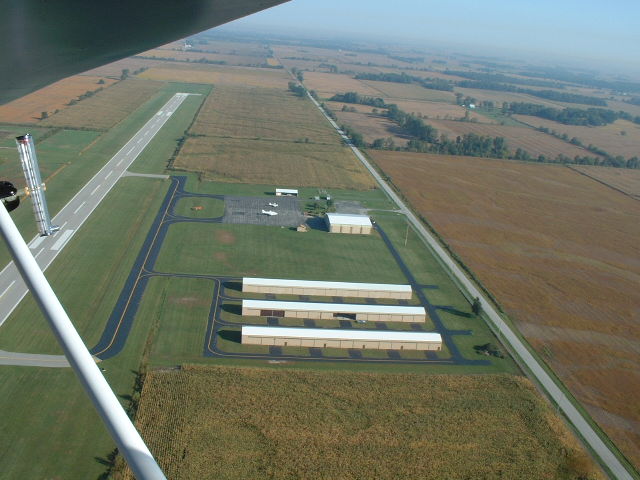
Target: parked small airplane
x,y
273,204
271,213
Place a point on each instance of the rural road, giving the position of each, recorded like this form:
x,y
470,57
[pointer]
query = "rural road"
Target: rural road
x,y
541,376
72,216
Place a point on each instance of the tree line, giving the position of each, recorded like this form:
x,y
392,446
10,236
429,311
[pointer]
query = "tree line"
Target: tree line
x,y
430,83
593,117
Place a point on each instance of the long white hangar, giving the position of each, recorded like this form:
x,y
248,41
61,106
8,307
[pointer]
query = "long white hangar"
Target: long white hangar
x,y
333,311
344,338
326,289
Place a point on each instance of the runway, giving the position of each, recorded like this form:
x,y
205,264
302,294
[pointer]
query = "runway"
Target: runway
x,y
73,215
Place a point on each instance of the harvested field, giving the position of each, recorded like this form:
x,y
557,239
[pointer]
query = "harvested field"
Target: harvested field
x,y
264,113
370,126
610,137
29,108
392,92
438,110
328,84
232,48
189,56
560,252
107,107
204,421
622,179
273,162
534,142
114,70
211,74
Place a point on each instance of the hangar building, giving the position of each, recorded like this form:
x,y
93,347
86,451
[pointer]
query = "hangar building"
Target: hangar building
x,y
348,223
286,192
333,311
326,289
345,338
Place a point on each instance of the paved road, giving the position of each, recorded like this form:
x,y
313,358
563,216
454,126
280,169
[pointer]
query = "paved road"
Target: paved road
x,y
32,360
76,212
542,377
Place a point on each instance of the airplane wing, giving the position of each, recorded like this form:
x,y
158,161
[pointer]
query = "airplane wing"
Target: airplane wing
x,y
45,41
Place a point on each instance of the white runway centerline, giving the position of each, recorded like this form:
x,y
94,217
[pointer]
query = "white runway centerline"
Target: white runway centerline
x,y
78,209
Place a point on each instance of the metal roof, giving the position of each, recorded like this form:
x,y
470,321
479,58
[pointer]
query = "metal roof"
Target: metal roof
x,y
348,219
277,282
341,334
286,190
333,307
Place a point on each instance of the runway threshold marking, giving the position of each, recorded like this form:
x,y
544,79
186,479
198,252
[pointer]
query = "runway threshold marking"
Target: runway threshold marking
x,y
64,237
78,209
7,289
36,243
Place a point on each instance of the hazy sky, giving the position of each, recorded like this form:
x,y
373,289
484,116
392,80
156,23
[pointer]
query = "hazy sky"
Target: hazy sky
x,y
582,29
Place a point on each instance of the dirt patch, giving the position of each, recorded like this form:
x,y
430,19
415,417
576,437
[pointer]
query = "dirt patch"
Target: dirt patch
x,y
225,237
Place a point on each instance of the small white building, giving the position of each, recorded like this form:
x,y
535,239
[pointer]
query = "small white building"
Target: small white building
x,y
286,192
343,338
348,223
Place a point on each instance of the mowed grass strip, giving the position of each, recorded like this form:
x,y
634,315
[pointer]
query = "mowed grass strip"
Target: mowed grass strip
x,y
107,107
239,423
266,113
274,252
273,162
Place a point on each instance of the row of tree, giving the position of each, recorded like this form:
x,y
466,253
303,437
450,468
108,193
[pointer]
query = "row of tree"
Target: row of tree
x,y
592,117
430,83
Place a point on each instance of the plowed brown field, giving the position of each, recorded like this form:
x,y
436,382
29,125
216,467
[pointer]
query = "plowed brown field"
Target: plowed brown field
x,y
561,253
623,179
29,108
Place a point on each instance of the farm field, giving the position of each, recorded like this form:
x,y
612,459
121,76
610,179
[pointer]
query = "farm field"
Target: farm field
x,y
621,178
351,430
328,84
560,252
262,113
218,75
534,142
190,56
438,110
610,137
372,127
499,97
403,91
273,162
114,70
29,108
114,105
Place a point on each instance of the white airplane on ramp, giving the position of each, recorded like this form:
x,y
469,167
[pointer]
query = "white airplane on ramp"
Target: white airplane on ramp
x,y
273,204
271,213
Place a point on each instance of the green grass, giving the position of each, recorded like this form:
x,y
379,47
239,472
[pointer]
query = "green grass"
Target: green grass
x,y
110,241
50,429
82,154
211,207
252,250
499,117
180,306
